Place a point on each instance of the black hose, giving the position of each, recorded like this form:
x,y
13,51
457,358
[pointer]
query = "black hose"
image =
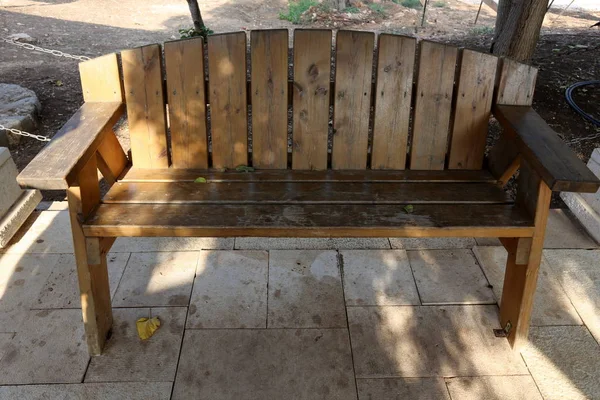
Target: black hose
x,y
569,97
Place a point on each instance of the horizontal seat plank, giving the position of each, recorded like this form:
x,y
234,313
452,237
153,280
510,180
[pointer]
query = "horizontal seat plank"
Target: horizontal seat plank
x,y
308,220
173,175
305,193
56,166
556,163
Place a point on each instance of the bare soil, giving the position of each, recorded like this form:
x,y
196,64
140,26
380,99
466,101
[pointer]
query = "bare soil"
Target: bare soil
x,y
568,51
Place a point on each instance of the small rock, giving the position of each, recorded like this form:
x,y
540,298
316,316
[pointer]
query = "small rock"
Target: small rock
x,y
22,37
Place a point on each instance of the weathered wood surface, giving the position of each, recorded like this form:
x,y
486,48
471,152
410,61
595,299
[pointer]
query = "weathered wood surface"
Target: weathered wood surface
x,y
520,278
100,80
269,84
305,192
433,105
311,86
112,160
352,103
58,164
516,84
393,96
184,61
472,110
307,220
146,110
173,175
553,160
228,103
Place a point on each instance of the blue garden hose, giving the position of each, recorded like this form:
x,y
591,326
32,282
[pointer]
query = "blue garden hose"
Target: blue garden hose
x,y
569,97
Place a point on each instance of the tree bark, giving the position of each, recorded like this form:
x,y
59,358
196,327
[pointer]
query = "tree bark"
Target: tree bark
x,y
341,4
196,15
518,27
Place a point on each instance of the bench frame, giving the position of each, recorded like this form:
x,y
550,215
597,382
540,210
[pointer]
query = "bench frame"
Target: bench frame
x,y
87,143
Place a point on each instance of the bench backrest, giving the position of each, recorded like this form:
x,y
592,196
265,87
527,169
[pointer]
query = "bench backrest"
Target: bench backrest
x,y
223,104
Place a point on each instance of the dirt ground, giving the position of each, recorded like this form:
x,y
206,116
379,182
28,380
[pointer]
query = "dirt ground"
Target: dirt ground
x,y
568,52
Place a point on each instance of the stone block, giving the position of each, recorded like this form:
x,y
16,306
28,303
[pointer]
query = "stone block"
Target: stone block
x,y
15,204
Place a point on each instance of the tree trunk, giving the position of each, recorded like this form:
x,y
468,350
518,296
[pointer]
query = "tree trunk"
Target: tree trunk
x,y
340,4
196,15
518,27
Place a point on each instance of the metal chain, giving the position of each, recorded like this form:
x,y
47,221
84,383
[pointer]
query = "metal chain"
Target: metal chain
x,y
56,53
26,134
585,138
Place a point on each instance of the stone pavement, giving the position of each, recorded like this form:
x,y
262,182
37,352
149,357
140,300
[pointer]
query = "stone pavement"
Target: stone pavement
x,y
256,318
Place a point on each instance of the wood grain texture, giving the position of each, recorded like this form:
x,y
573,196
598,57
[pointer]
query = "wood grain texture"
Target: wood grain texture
x,y
100,79
552,159
433,105
308,221
184,61
228,105
57,165
269,66
112,160
173,175
93,279
146,110
516,84
393,95
352,103
312,71
520,280
305,193
472,111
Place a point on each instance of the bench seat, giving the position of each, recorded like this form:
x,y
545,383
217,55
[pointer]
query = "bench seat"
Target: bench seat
x,y
168,202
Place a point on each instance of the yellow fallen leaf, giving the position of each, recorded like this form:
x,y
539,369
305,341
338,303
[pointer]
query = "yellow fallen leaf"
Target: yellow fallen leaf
x,y
146,327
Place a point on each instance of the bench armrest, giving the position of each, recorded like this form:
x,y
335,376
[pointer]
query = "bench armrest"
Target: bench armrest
x,y
57,165
552,159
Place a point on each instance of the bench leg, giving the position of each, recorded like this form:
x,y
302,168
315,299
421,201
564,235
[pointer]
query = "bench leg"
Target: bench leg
x,y
522,267
92,273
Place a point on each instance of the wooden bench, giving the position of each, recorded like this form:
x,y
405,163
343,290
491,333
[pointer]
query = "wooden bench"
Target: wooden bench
x,y
415,135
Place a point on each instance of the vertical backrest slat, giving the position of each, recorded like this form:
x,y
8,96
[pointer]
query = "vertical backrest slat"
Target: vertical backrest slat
x,y
472,111
516,84
393,94
184,61
146,111
269,66
100,80
312,72
228,106
352,103
433,105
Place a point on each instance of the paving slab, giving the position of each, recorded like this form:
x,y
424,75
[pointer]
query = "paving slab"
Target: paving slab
x,y
294,364
127,358
432,243
432,341
579,274
44,232
564,232
157,279
90,391
402,388
449,277
305,290
515,387
488,241
274,243
21,278
378,277
230,290
50,348
5,338
564,362
154,244
551,305
61,290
